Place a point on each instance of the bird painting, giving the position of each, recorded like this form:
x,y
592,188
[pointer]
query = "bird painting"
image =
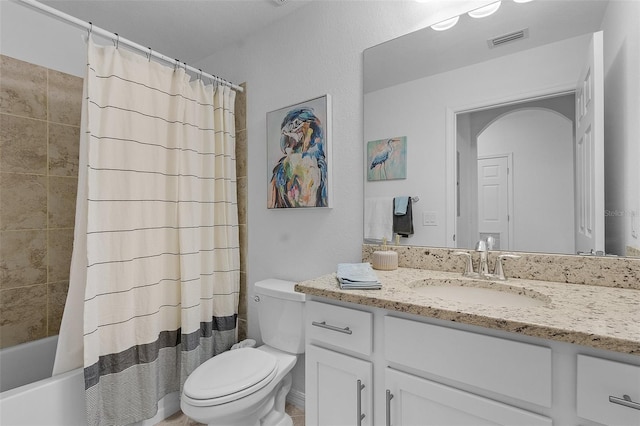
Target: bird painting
x,y
387,159
299,178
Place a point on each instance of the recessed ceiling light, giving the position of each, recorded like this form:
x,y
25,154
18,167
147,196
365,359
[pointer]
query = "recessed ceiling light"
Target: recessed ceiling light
x,y
485,11
522,1
445,25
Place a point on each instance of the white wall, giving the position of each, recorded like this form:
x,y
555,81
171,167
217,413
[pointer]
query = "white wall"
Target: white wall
x,y
417,109
541,142
622,127
39,39
315,50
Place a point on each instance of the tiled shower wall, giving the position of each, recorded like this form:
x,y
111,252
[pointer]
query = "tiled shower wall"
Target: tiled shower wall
x,y
241,174
39,134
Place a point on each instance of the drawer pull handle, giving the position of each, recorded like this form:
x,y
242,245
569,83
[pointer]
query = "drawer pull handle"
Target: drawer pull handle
x,y
361,416
324,324
625,400
388,407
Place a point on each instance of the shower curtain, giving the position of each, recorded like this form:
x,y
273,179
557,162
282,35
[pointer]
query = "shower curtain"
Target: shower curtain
x,y
155,266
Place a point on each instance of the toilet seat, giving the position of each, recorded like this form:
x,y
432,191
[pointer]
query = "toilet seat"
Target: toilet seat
x,y
230,376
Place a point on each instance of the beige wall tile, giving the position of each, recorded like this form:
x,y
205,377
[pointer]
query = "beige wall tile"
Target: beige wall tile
x,y
23,258
242,199
241,153
241,109
23,315
243,247
60,248
23,88
56,298
242,329
62,201
23,145
65,98
24,201
64,144
242,305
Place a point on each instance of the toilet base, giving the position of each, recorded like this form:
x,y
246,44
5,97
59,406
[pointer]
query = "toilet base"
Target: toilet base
x,y
270,413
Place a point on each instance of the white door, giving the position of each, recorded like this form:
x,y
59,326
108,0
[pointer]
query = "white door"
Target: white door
x,y
415,401
589,151
339,389
494,212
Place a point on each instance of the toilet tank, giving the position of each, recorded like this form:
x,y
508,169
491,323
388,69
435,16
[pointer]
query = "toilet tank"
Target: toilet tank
x,y
281,315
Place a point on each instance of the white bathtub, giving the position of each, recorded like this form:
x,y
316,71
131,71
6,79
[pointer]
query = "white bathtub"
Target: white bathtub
x,y
30,396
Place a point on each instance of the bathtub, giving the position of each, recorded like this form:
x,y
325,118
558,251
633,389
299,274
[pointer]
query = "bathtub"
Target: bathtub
x,y
30,396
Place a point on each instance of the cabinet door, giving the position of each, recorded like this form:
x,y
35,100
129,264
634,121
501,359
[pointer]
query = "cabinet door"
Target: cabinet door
x,y
419,402
332,392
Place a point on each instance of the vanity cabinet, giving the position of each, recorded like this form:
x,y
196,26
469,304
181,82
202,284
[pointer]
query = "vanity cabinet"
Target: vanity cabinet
x,y
602,386
404,370
339,384
340,388
411,400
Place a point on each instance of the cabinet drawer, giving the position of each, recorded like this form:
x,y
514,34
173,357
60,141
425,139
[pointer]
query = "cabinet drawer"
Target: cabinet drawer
x,y
340,327
598,379
514,369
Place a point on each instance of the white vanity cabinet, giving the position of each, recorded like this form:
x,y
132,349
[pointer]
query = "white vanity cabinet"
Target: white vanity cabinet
x,y
371,366
602,387
412,401
485,363
339,384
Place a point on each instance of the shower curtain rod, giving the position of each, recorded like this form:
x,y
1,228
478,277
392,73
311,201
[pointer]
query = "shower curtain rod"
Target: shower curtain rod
x,y
120,40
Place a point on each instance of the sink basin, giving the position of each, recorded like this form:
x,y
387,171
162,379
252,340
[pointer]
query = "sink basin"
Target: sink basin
x,y
479,292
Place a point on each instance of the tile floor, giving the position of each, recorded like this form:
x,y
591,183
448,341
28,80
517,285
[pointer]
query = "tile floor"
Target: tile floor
x,y
179,419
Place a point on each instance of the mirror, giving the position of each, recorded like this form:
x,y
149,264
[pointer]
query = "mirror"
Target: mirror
x,y
466,102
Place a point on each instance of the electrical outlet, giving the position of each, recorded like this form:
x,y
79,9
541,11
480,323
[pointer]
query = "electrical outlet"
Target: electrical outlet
x,y
429,219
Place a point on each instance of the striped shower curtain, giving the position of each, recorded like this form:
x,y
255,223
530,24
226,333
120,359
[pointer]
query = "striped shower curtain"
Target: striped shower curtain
x,y
159,238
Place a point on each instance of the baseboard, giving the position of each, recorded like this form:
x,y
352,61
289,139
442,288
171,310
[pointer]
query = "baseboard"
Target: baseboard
x,y
296,398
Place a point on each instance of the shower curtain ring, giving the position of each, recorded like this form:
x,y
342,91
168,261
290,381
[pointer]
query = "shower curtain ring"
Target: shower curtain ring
x,y
175,67
200,75
185,66
90,30
116,42
149,56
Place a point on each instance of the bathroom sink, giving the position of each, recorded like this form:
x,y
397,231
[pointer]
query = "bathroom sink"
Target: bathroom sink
x,y
479,292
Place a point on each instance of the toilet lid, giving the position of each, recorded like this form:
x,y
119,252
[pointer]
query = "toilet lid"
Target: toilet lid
x,y
230,373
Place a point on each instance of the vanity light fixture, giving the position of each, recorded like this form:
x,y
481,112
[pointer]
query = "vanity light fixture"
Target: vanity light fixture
x,y
484,11
446,24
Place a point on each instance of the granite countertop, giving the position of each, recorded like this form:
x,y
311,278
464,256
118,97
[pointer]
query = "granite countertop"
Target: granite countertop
x,y
597,316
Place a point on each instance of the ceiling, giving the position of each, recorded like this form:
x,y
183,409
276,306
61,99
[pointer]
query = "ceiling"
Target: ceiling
x,y
188,30
427,52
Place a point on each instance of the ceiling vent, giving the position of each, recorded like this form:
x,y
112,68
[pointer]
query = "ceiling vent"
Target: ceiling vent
x,y
279,2
508,38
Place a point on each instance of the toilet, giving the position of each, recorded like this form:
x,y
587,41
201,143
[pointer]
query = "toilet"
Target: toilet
x,y
248,386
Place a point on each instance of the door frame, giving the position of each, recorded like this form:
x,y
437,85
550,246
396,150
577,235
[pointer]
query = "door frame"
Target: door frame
x,y
452,112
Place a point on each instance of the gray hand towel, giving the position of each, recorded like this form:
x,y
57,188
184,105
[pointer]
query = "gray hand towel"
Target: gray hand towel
x,y
403,224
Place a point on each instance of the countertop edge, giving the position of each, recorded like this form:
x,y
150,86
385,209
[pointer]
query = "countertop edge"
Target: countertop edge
x,y
366,298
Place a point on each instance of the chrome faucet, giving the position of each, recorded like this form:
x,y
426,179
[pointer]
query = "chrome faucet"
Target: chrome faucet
x,y
498,271
483,266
